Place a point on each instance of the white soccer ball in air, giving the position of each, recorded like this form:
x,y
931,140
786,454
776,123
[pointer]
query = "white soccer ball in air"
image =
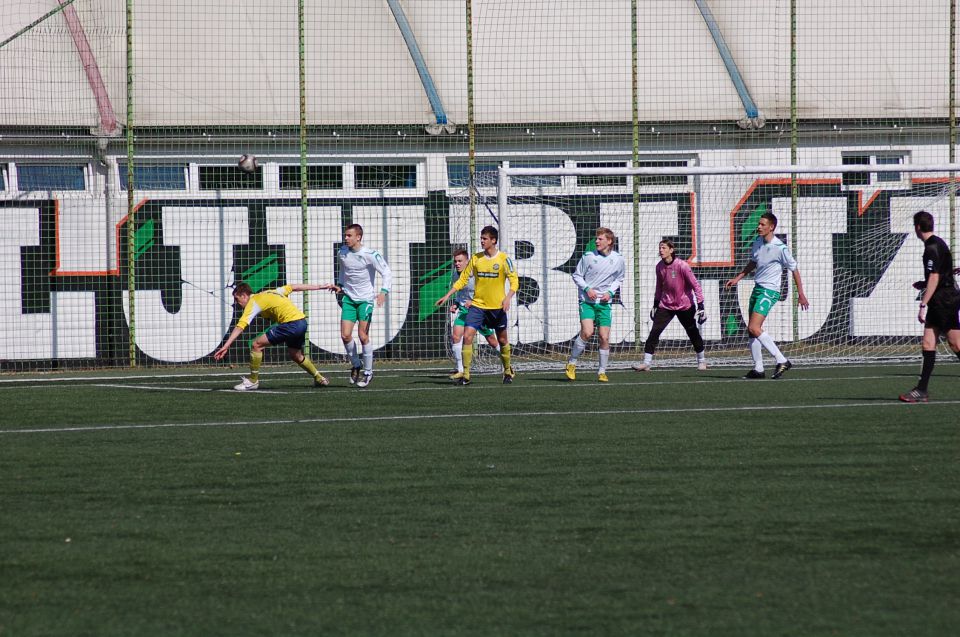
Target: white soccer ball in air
x,y
248,163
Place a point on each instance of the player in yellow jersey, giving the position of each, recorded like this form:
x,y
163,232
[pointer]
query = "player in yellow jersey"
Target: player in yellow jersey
x,y
491,269
290,328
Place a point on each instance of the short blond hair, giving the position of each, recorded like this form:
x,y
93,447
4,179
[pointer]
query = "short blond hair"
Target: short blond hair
x,y
608,233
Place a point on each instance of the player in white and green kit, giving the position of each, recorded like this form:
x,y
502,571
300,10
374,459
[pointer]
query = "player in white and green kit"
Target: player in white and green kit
x,y
356,281
462,301
598,277
769,256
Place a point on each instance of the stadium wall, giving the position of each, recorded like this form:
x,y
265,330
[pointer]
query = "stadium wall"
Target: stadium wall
x,y
63,253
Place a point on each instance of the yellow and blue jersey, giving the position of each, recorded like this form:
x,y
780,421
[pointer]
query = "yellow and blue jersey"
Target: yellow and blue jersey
x,y
273,305
490,273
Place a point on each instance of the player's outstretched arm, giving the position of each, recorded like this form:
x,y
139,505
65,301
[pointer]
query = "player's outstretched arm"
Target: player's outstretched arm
x,y
309,287
222,351
747,269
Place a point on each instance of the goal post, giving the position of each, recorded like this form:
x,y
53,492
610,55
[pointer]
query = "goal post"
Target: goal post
x,y
853,241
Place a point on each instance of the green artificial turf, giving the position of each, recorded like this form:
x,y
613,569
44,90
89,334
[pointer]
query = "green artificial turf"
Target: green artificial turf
x,y
669,503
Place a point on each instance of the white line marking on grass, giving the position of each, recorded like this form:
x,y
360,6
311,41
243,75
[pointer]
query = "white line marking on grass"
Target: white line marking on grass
x,y
169,388
460,416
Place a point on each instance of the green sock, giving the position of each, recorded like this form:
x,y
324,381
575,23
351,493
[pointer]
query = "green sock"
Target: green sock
x,y
505,357
255,359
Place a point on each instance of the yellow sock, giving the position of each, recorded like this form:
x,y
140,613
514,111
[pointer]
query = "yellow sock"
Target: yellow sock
x,y
505,357
467,359
307,365
255,359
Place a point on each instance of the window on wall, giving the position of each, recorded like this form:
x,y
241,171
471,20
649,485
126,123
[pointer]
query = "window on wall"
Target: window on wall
x,y
3,177
866,178
663,180
51,177
229,178
323,177
594,181
380,176
155,176
485,175
538,181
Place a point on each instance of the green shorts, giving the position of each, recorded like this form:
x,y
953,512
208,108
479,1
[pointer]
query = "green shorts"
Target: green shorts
x,y
762,300
460,320
599,313
354,311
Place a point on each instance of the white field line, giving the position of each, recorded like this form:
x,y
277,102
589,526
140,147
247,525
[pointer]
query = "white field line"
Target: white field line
x,y
334,386
460,416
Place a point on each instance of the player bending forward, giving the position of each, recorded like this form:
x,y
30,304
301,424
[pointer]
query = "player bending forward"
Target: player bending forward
x,y
458,310
290,329
358,270
677,288
493,269
598,277
769,256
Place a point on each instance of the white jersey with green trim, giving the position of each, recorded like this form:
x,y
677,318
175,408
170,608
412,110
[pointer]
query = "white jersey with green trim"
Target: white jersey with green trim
x,y
771,257
596,271
358,271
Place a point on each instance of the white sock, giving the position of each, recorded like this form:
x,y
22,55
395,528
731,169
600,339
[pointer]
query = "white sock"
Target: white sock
x,y
767,341
577,348
701,356
458,354
351,348
604,357
368,359
498,348
647,359
756,350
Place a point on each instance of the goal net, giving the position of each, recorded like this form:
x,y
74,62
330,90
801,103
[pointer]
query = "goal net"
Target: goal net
x,y
849,227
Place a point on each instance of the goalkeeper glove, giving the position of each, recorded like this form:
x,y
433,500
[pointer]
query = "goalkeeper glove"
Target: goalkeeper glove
x,y
653,312
701,316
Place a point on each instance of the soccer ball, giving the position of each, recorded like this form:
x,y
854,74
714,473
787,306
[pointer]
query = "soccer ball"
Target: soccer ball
x,y
248,163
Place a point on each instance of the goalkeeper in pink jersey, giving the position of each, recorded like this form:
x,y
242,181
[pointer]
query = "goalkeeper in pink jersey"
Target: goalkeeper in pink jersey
x,y
677,288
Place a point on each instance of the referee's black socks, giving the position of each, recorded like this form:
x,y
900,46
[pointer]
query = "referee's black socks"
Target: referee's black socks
x,y
929,358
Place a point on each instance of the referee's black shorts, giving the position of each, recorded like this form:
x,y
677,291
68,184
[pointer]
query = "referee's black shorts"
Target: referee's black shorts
x,y
943,313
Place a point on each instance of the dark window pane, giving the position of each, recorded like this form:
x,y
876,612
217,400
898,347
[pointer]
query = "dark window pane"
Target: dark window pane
x,y
155,176
50,177
398,176
856,179
230,178
323,177
663,180
535,182
3,176
591,181
889,161
485,174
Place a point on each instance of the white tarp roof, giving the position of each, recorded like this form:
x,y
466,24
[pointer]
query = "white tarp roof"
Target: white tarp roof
x,y
209,62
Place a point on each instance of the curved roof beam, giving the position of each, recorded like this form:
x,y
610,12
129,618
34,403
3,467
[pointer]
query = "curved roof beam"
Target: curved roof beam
x,y
108,117
753,118
422,70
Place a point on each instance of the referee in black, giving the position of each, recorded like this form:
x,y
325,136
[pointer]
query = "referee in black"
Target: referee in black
x,y
939,303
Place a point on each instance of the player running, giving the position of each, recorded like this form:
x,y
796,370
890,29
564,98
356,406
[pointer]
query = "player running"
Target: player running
x,y
458,310
290,329
358,270
492,269
769,256
598,276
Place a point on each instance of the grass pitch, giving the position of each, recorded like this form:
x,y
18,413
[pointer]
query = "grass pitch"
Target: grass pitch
x,y
668,503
